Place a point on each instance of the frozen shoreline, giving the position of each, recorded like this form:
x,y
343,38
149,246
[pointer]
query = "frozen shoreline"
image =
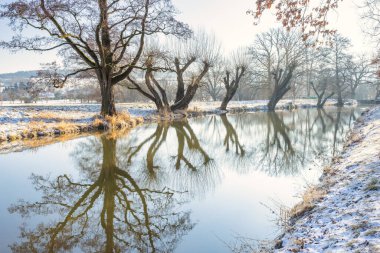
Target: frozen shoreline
x,y
347,218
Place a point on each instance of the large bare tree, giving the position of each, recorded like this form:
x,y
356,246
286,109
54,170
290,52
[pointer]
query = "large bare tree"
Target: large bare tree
x,y
359,73
103,37
277,53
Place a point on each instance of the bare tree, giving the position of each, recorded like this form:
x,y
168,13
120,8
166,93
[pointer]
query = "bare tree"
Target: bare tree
x,y
190,62
103,37
234,74
371,16
213,82
320,90
338,57
276,54
323,77
358,73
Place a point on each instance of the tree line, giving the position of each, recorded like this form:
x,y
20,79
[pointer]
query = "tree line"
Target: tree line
x,y
142,46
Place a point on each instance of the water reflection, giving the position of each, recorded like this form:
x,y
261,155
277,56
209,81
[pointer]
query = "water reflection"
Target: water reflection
x,y
281,143
172,156
108,211
130,192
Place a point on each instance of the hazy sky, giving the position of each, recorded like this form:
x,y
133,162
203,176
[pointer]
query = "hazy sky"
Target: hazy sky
x,y
226,18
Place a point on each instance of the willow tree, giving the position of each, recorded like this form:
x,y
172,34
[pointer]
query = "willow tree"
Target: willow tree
x,y
186,61
103,37
233,76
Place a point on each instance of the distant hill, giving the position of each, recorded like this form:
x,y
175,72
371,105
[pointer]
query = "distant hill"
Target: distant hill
x,y
18,74
21,76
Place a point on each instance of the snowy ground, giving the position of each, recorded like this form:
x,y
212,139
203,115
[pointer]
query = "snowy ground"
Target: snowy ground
x,y
347,219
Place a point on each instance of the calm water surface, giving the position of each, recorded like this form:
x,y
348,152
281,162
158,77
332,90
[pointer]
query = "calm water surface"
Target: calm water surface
x,y
184,187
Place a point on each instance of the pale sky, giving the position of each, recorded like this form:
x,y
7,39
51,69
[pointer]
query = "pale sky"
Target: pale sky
x,y
227,19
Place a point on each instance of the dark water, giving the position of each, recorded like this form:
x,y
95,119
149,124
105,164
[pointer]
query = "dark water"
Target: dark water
x,y
189,187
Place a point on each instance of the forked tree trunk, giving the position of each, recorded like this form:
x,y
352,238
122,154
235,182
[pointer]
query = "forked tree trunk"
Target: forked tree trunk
x,y
183,104
322,101
281,87
231,85
184,101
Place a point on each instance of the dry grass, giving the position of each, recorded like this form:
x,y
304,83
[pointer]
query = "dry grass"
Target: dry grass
x,y
372,232
309,199
328,170
372,185
13,136
360,225
98,123
122,120
66,127
46,115
36,126
36,129
353,139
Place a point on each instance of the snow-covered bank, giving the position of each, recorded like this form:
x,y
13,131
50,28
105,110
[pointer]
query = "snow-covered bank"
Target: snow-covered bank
x,y
347,218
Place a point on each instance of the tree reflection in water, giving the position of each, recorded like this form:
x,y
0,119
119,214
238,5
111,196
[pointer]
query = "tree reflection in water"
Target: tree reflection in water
x,y
174,156
279,143
108,211
132,190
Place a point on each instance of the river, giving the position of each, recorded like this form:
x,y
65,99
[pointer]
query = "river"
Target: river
x,y
208,184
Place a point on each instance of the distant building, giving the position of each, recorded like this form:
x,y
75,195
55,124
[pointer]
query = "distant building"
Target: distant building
x,y
2,87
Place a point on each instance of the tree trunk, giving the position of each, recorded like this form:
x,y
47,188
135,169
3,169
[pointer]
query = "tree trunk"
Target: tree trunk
x,y
353,93
108,100
340,99
214,97
230,94
224,104
319,103
272,103
163,110
183,104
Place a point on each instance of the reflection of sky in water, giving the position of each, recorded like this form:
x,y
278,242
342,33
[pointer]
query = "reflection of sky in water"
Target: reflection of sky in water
x,y
230,167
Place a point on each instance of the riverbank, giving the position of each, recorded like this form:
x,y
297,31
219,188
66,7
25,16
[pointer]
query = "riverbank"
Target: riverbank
x,y
19,122
342,213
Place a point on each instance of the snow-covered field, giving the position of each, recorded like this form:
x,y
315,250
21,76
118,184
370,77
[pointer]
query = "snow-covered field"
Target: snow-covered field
x,y
347,219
